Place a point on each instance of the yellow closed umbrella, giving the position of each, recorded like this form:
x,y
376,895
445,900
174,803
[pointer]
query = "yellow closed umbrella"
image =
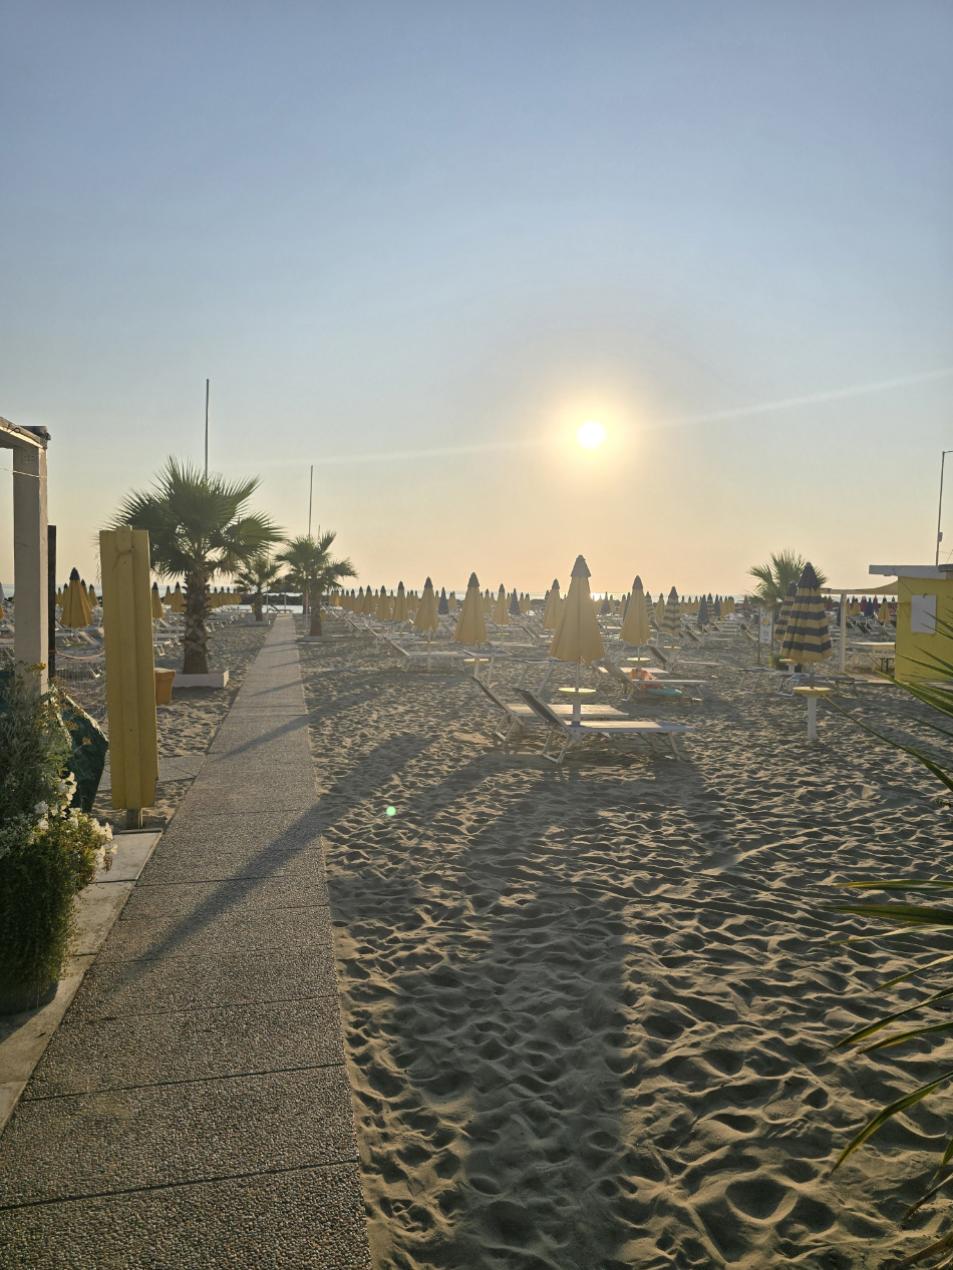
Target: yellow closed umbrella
x,y
883,613
157,610
500,615
177,603
76,612
807,637
578,638
426,619
471,625
635,624
551,607
400,604
383,605
452,601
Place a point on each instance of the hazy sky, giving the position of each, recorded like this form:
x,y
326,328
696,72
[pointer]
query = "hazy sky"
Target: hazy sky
x,y
417,243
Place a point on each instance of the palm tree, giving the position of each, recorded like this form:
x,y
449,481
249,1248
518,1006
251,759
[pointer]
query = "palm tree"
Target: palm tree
x,y
775,577
199,526
311,568
256,578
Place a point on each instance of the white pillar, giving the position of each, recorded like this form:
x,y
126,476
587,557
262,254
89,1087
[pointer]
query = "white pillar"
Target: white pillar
x,y
842,650
29,558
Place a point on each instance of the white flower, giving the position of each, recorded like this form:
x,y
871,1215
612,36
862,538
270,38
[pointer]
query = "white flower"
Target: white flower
x,y
41,809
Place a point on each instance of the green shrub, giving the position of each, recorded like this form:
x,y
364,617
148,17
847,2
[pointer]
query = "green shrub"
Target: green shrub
x,y
48,851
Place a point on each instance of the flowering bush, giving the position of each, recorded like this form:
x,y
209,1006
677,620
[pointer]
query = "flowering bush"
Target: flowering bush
x,y
48,849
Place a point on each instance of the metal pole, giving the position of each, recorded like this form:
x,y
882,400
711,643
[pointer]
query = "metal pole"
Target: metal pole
x,y
842,650
939,513
206,429
310,498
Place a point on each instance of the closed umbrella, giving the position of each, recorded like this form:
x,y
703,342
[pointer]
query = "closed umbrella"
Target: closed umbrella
x,y
76,611
515,610
157,610
785,614
703,615
400,604
500,615
673,616
551,608
425,619
578,638
807,637
443,604
471,625
635,624
452,602
177,602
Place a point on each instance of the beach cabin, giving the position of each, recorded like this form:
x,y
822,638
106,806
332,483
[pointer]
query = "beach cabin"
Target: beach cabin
x,y
924,617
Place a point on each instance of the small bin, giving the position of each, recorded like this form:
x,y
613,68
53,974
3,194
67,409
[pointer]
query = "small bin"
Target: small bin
x,y
164,680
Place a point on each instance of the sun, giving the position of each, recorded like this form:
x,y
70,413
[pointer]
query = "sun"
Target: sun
x,y
591,434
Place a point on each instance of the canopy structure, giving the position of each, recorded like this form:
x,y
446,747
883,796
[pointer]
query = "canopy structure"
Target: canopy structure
x,y
842,592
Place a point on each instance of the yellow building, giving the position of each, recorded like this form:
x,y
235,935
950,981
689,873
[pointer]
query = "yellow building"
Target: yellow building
x,y
924,618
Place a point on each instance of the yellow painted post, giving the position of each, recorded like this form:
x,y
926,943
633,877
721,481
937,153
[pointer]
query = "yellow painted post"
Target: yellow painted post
x,y
130,670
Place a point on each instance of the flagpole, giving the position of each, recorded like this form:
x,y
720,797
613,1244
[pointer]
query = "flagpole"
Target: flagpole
x,y
206,428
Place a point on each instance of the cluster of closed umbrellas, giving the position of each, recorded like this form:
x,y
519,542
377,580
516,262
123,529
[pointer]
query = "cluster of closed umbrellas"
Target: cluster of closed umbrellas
x,y
560,614
76,601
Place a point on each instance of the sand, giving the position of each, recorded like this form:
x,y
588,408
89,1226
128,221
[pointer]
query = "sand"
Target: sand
x,y
589,1015
188,725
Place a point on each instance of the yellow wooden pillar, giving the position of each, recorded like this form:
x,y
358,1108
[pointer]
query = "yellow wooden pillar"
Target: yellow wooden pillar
x,y
130,670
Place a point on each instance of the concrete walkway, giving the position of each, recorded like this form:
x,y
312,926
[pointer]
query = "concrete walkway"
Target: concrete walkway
x,y
193,1110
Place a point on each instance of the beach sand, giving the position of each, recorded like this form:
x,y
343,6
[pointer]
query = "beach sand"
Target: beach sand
x,y
188,725
589,1014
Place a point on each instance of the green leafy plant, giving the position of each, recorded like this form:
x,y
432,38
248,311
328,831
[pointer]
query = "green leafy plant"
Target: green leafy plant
x,y
199,527
48,849
256,578
774,577
926,1018
311,568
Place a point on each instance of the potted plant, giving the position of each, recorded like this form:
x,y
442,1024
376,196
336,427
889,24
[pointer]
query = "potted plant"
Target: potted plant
x,y
49,850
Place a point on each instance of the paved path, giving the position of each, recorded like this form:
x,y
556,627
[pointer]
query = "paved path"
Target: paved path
x,y
193,1111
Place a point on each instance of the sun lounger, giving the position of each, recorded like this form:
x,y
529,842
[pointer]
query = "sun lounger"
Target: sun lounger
x,y
520,716
423,657
647,732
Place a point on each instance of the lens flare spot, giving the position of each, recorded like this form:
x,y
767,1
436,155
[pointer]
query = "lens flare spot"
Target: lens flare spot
x,y
591,434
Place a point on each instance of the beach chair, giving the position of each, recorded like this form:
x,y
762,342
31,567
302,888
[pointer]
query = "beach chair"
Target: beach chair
x,y
520,717
654,735
423,657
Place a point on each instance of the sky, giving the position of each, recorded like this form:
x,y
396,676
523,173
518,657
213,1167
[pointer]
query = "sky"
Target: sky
x,y
417,244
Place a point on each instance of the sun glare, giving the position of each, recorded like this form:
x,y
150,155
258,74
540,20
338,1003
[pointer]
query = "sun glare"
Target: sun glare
x,y
590,434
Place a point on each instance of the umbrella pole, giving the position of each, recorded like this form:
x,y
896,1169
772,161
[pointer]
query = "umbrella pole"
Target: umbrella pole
x,y
812,718
576,712
429,638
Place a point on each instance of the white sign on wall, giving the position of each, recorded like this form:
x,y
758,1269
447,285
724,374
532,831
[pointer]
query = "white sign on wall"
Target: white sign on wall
x,y
922,614
766,629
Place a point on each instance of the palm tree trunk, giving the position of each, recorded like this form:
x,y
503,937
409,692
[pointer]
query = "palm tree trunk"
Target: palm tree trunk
x,y
256,604
316,615
195,637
